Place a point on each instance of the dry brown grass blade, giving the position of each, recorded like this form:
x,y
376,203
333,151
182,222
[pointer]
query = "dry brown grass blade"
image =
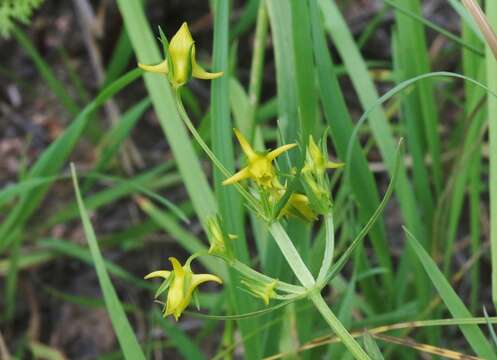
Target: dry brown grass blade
x,y
428,349
480,18
374,332
4,352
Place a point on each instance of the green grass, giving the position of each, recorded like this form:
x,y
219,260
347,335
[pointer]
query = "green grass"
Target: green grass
x,y
127,339
291,69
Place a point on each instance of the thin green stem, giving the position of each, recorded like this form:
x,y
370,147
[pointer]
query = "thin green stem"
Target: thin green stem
x,y
337,327
198,138
329,248
186,119
251,273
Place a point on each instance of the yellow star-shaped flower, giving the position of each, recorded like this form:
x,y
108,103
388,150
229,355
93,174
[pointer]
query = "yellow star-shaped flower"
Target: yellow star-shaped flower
x,y
183,284
260,165
181,51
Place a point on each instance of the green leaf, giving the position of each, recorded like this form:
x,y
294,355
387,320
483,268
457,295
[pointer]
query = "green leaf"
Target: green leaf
x,y
341,127
340,263
472,333
491,63
54,157
127,339
371,347
159,89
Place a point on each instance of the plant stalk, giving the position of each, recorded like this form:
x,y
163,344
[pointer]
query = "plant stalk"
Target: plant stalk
x,y
335,324
292,255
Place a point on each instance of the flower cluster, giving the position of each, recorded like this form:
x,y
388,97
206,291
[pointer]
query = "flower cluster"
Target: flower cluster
x,y
261,171
275,197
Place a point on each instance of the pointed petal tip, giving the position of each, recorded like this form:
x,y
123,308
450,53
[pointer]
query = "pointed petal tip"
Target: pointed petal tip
x,y
176,264
334,165
245,145
280,150
160,68
159,273
239,176
202,278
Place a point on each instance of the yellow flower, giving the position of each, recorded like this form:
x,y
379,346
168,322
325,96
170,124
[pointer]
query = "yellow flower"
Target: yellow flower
x,y
260,165
316,160
181,52
182,285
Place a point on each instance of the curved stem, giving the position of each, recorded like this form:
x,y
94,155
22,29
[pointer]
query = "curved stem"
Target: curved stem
x,y
251,273
211,155
329,248
198,138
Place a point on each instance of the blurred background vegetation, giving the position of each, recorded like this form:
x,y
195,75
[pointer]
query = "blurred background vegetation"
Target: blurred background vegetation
x,y
57,56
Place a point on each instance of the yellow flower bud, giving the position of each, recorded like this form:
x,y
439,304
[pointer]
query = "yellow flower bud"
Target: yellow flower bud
x,y
264,291
216,237
181,56
182,285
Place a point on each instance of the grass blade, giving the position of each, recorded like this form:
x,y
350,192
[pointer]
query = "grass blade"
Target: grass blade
x,y
491,56
53,158
147,52
304,69
127,339
368,95
229,201
472,333
341,127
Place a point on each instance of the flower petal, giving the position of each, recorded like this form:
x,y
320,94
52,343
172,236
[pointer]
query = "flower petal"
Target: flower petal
x,y
200,73
177,268
180,51
277,152
247,149
159,68
159,273
181,41
198,279
239,176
